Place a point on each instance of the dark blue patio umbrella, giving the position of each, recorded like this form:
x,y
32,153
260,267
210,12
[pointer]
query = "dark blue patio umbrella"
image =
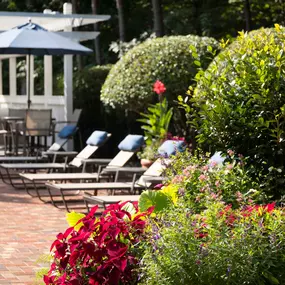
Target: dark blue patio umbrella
x,y
32,39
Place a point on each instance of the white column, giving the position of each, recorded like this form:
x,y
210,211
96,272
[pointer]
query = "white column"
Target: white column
x,y
32,68
68,77
1,79
47,78
13,76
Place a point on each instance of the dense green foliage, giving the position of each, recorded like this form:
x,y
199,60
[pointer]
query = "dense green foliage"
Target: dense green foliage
x,y
241,104
88,83
169,59
87,86
215,18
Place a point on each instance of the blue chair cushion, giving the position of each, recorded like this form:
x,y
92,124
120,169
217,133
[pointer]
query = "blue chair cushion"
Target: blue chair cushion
x,y
67,131
97,138
131,143
170,147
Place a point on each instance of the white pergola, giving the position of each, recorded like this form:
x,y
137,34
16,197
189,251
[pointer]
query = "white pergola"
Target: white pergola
x,y
62,106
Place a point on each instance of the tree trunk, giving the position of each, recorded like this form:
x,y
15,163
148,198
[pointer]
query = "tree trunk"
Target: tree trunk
x,y
247,15
94,5
121,20
157,18
282,11
78,57
28,3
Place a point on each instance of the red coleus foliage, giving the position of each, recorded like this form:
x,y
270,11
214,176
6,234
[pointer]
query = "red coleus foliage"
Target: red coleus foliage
x,y
101,251
159,87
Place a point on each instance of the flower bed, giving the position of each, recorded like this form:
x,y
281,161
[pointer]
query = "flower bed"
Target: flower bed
x,y
205,226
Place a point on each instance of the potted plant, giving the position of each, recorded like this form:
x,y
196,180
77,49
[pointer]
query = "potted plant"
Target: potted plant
x,y
148,155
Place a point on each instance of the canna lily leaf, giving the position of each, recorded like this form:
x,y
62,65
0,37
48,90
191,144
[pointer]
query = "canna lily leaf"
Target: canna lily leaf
x,y
171,191
151,198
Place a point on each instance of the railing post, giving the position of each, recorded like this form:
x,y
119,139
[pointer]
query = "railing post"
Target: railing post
x,y
48,78
12,76
1,79
32,67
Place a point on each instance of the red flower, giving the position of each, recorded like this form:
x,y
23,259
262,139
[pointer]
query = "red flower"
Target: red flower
x,y
270,207
159,87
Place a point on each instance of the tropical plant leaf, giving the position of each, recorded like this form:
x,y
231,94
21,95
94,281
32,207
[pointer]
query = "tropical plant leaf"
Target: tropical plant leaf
x,y
154,198
171,191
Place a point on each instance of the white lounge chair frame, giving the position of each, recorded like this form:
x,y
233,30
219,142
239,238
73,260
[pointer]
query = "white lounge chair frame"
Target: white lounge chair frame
x,y
9,177
36,179
107,200
144,182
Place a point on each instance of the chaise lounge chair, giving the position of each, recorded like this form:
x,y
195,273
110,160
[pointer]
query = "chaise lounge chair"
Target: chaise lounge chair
x,y
107,200
145,181
97,139
128,148
65,134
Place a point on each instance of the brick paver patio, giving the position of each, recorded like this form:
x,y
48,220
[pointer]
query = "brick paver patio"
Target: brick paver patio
x,y
28,228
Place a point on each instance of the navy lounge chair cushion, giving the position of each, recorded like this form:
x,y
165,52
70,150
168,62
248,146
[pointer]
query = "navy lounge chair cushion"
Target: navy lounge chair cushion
x,y
67,131
170,147
131,143
97,138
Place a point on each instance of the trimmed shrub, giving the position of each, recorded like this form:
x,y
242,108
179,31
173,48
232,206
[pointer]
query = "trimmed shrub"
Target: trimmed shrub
x,y
87,85
241,103
169,59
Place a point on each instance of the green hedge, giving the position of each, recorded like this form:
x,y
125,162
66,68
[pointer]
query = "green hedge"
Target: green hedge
x,y
241,103
130,82
95,116
87,85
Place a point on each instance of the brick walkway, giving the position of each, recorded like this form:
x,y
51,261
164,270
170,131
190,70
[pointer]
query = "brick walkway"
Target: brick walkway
x,y
27,229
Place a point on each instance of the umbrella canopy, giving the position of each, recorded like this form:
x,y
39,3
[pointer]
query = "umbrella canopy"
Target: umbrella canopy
x,y
33,39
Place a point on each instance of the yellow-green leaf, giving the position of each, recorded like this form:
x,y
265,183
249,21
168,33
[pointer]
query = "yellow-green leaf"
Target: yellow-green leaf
x,y
180,98
198,63
277,27
171,191
73,218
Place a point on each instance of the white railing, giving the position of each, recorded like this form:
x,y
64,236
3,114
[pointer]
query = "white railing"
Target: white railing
x,y
56,103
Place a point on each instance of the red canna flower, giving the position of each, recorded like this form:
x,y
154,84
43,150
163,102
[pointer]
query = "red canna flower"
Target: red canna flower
x,y
270,207
159,87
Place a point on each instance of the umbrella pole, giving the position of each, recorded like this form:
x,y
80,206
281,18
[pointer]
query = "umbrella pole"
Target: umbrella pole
x,y
29,83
